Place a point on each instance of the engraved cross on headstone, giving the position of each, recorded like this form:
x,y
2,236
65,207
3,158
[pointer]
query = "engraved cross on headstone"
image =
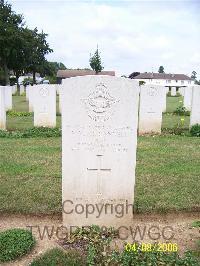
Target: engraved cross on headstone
x,y
99,173
44,110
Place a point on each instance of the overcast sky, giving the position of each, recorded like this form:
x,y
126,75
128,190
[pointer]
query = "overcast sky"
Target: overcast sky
x,y
131,35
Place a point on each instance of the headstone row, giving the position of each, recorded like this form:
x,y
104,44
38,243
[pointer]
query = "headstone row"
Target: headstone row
x,y
42,101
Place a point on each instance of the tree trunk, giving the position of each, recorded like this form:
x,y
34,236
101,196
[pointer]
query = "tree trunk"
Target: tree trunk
x,y
6,74
34,81
18,87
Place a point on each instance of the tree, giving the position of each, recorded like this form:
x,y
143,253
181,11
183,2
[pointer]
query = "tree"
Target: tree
x,y
19,54
134,74
21,49
38,48
161,69
95,62
194,75
10,24
50,69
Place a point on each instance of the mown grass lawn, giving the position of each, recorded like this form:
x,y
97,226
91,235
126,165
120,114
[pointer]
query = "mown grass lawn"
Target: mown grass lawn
x,y
167,174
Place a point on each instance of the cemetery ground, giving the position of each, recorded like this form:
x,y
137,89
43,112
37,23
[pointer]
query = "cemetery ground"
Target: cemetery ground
x,y
167,178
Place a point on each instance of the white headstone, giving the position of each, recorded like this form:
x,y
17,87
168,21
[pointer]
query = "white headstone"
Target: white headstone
x,y
151,106
182,91
44,105
22,89
27,91
14,89
99,139
195,110
8,97
31,97
2,108
60,89
164,98
188,98
173,91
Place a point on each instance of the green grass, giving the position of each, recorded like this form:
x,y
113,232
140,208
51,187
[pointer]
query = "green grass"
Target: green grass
x,y
173,103
172,121
30,168
167,174
57,257
20,104
15,243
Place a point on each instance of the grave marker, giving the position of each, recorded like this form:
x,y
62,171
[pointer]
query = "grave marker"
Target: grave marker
x,y
188,98
195,110
44,105
151,107
2,108
99,139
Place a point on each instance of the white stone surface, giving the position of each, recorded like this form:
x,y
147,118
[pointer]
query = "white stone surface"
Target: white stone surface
x,y
31,98
99,139
14,89
151,107
173,91
60,91
22,89
182,91
27,91
44,105
164,98
195,110
8,97
2,108
188,98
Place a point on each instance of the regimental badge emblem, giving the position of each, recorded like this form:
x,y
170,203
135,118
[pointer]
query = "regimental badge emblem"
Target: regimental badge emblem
x,y
152,91
44,92
100,103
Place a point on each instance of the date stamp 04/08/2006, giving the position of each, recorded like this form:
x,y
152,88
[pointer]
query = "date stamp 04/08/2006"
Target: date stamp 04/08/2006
x,y
149,247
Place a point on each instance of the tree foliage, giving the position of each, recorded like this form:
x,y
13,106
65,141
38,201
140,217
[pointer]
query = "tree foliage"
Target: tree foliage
x,y
10,24
50,69
21,49
161,69
95,62
194,75
134,74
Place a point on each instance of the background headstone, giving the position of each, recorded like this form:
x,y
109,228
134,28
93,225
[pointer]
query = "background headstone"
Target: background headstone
x,y
44,105
99,139
22,89
8,97
195,110
182,91
60,89
164,98
2,108
188,98
173,91
151,107
31,98
14,89
27,91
